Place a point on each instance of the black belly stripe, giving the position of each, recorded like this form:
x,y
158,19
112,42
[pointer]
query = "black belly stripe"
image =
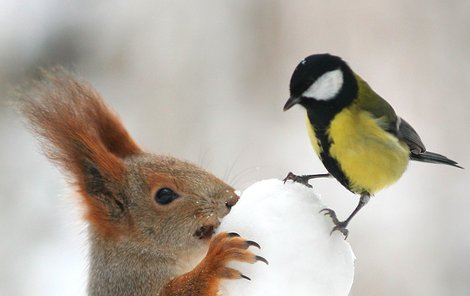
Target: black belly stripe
x,y
331,164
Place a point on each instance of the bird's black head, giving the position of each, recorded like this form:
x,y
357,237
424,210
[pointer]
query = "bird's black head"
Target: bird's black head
x,y
322,83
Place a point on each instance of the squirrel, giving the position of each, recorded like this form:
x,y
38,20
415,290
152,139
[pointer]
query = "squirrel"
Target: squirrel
x,y
147,214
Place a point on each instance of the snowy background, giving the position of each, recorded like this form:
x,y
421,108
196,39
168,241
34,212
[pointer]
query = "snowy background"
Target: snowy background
x,y
206,81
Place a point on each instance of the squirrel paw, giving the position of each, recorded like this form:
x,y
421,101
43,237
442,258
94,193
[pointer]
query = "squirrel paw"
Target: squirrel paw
x,y
204,279
226,247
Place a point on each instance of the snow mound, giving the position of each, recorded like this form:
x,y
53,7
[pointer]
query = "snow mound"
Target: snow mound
x,y
294,237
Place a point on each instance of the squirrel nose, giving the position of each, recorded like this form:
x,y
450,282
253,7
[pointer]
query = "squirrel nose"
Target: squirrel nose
x,y
232,201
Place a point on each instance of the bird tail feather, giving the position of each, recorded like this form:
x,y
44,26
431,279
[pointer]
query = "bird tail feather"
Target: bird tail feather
x,y
432,157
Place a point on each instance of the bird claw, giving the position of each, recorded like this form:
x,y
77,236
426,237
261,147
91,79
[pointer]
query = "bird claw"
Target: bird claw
x,y
341,229
297,179
339,225
332,214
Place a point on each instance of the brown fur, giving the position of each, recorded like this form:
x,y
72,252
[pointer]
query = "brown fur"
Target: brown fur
x,y
137,246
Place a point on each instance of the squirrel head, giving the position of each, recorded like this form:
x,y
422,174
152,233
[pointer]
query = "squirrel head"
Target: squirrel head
x,y
170,203
130,196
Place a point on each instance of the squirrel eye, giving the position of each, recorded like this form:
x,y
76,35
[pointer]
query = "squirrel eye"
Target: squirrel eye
x,y
165,195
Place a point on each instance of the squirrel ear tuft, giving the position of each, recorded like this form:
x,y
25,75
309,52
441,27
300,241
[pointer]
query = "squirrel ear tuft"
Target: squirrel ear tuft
x,y
111,131
80,134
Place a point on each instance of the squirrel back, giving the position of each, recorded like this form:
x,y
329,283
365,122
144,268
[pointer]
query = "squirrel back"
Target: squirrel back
x,y
148,214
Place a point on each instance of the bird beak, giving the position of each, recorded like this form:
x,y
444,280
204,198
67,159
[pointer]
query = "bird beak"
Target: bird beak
x,y
291,102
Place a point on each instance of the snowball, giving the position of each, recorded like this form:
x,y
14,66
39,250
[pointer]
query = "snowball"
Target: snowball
x,y
294,237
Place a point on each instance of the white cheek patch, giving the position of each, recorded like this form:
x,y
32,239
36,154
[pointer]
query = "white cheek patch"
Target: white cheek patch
x,y
326,86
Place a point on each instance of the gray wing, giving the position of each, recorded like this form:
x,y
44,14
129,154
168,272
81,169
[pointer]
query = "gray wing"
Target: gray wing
x,y
388,120
404,131
380,109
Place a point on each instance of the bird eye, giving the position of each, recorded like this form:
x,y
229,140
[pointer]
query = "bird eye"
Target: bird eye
x,y
165,195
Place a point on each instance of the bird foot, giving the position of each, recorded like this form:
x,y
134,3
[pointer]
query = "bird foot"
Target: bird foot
x,y
339,225
298,179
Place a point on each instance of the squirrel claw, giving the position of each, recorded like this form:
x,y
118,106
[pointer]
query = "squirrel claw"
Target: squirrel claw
x,y
226,247
254,244
262,259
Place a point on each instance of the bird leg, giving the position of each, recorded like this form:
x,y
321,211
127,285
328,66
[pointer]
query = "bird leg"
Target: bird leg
x,y
341,225
303,179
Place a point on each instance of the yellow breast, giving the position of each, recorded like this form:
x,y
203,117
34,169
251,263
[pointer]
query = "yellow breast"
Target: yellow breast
x,y
369,157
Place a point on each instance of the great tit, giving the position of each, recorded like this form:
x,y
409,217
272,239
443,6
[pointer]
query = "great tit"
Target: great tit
x,y
356,133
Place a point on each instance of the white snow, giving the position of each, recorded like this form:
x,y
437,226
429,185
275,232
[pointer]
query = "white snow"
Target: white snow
x,y
294,237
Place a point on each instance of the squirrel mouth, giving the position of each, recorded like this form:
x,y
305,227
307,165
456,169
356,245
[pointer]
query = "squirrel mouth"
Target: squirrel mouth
x,y
205,231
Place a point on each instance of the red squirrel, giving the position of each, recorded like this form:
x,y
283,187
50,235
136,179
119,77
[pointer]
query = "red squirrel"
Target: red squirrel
x,y
147,214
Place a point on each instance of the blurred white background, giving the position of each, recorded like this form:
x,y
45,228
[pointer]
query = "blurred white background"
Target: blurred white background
x,y
206,81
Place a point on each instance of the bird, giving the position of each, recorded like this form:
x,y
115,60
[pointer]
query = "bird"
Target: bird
x,y
356,133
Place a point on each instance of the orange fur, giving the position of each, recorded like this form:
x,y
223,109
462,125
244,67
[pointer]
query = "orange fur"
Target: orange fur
x,y
76,128
205,278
